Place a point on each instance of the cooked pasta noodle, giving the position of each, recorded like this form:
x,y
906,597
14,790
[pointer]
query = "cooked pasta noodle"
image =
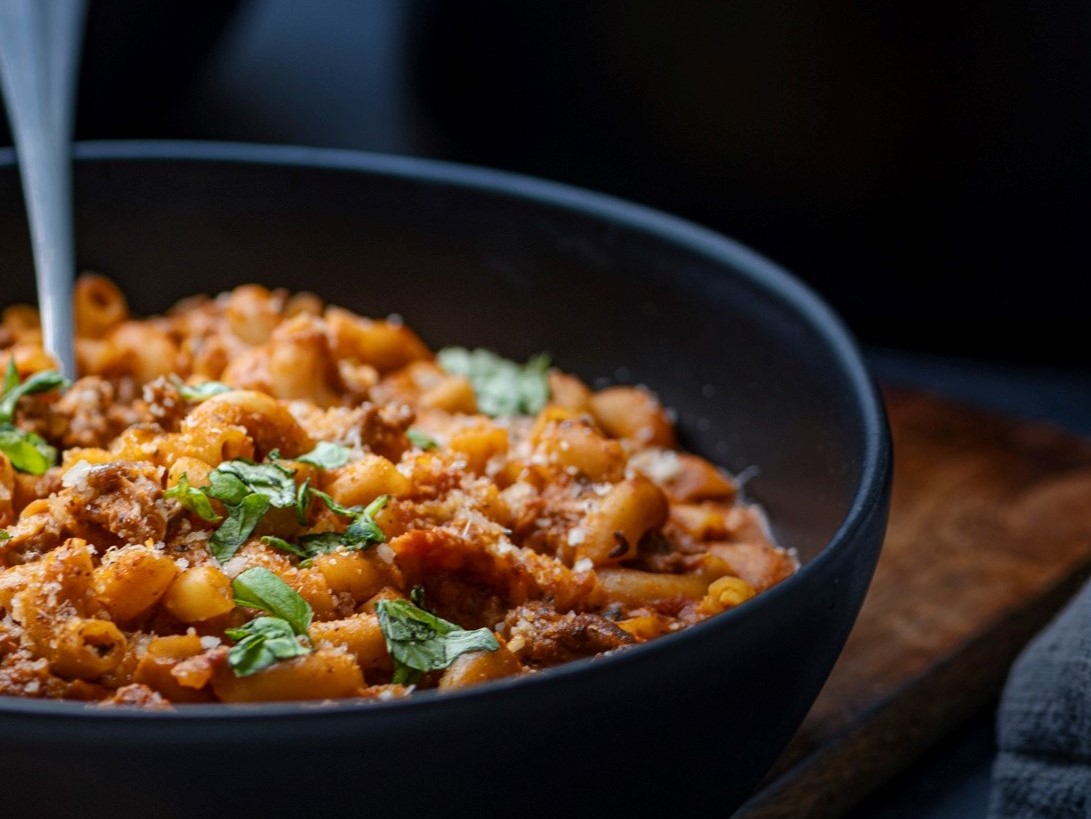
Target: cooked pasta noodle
x,y
261,497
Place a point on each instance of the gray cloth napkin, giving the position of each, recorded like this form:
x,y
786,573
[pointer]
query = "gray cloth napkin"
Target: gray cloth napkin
x,y
1043,770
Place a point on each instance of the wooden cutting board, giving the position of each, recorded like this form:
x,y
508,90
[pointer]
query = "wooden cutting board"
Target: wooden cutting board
x,y
989,535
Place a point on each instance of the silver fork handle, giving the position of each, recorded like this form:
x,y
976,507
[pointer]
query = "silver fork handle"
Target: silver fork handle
x,y
39,60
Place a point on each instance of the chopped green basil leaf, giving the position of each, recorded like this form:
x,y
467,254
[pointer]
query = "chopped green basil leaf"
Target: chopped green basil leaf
x,y
360,534
334,506
192,499
226,487
259,588
195,393
5,535
260,643
238,484
326,456
363,531
39,382
248,490
26,451
283,545
302,501
421,440
502,387
11,377
241,521
418,641
320,543
232,481
311,546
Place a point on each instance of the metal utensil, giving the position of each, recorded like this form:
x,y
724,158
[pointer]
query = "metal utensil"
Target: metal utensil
x,y
39,57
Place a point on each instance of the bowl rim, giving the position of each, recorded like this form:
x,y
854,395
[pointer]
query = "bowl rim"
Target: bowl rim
x,y
757,270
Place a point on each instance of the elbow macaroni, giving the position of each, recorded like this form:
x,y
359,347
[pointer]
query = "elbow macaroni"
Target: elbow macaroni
x,y
575,531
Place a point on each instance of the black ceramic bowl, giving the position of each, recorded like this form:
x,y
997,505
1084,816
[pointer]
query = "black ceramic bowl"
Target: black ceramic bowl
x,y
760,374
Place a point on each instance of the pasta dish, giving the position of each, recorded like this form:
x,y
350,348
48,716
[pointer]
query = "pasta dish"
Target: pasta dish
x,y
258,496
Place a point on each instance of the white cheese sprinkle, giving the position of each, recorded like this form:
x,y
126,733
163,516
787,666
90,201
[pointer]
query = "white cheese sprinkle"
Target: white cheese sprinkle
x,y
659,465
517,644
77,475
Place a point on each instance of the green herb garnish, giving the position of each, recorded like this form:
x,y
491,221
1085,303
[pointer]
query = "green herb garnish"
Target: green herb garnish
x,y
302,501
283,545
360,534
39,382
326,456
193,499
319,544
232,481
421,440
502,387
259,588
241,521
11,377
363,531
418,641
196,393
335,507
260,643
247,490
265,640
27,451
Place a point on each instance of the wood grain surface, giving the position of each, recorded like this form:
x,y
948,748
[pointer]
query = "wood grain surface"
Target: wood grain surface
x,y
989,535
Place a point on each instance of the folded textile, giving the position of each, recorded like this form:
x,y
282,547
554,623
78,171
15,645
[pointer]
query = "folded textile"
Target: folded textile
x,y
1043,769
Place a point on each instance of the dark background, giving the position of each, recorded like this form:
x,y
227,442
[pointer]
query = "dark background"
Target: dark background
x,y
924,166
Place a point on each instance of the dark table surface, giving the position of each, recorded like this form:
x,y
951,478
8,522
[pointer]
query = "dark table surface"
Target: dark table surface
x,y
952,780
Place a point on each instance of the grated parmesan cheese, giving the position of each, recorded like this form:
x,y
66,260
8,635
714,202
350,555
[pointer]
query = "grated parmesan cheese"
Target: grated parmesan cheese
x,y
517,644
77,475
